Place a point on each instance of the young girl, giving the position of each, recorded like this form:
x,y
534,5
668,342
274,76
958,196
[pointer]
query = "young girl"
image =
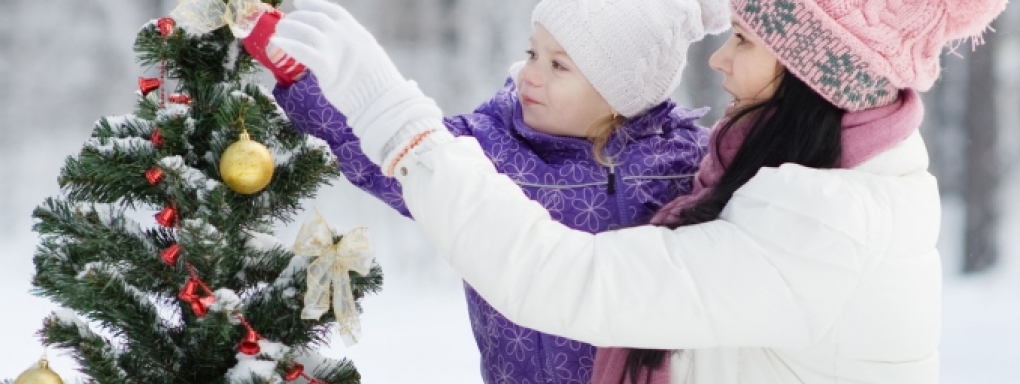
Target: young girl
x,y
807,253
584,127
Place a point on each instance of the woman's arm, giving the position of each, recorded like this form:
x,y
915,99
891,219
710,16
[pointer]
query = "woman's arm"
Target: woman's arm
x,y
764,275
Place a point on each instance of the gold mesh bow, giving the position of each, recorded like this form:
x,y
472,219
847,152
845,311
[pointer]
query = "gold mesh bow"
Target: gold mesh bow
x,y
331,264
203,16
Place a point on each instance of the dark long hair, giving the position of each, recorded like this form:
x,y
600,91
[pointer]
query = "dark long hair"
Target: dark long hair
x,y
795,125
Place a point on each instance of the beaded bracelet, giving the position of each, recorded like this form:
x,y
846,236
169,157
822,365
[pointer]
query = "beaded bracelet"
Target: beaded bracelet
x,y
417,139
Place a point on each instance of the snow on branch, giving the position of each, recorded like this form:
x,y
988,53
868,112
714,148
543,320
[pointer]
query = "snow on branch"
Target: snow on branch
x,y
110,146
112,216
257,366
121,124
194,178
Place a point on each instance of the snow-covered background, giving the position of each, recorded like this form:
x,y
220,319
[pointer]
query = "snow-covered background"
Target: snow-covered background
x,y
65,63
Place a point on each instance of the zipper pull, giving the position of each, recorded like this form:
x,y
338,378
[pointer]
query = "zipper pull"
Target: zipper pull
x,y
611,187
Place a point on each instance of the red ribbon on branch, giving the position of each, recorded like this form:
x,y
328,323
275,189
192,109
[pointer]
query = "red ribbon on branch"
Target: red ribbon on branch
x,y
148,84
154,175
157,137
166,26
167,217
191,294
180,98
249,345
298,371
170,254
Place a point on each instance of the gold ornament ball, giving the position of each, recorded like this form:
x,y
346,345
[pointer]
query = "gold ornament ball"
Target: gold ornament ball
x,y
40,374
246,166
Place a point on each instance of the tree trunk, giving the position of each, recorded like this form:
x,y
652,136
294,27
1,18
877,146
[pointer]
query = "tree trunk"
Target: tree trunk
x,y
984,168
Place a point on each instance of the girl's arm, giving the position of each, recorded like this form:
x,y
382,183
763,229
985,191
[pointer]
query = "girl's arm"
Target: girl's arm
x,y
311,113
771,272
301,98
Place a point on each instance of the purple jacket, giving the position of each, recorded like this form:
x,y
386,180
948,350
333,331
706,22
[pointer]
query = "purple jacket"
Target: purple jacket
x,y
656,155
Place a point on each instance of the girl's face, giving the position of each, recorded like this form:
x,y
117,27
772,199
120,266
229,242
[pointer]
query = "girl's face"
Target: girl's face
x,y
556,98
752,73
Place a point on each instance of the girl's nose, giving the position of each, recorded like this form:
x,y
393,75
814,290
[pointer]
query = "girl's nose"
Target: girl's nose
x,y
530,75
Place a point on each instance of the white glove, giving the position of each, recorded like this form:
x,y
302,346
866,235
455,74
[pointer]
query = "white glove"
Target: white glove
x,y
357,77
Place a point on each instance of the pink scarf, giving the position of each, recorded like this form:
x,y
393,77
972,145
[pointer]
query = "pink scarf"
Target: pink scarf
x,y
865,135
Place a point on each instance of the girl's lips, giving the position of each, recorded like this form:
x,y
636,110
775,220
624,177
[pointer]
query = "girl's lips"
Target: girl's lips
x,y
529,101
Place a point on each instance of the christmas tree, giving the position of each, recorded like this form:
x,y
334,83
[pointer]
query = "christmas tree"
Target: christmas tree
x,y
160,246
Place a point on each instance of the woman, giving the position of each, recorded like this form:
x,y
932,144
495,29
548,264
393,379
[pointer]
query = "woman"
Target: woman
x,y
807,254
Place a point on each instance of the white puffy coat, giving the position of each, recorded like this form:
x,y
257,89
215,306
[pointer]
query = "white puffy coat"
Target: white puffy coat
x,y
808,276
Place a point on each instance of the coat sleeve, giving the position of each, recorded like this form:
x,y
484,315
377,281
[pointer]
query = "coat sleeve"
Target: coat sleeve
x,y
310,113
765,274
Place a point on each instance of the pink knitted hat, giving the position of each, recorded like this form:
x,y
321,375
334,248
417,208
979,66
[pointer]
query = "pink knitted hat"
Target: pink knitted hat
x,y
859,53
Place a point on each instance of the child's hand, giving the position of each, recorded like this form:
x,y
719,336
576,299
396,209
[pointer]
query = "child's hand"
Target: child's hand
x,y
356,76
351,67
286,70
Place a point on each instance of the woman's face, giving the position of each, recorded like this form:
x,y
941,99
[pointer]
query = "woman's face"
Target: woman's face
x,y
752,73
556,97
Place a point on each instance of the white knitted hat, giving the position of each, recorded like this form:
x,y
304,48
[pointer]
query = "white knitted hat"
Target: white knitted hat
x,y
632,51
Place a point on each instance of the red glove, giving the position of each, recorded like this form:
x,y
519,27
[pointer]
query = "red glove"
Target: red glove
x,y
284,67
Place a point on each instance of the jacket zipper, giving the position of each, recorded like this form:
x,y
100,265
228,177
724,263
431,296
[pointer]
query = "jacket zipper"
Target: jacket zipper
x,y
611,190
611,182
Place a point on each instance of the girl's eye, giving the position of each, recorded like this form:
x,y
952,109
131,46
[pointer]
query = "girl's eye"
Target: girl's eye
x,y
740,38
531,54
558,66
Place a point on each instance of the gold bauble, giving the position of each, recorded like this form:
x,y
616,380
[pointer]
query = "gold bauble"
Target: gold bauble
x,y
246,166
39,374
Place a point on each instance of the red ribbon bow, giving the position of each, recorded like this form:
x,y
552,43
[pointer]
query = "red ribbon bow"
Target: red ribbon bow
x,y
190,294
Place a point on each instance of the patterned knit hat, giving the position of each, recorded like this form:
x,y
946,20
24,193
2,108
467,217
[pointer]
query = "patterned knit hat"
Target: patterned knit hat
x,y
858,53
632,51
